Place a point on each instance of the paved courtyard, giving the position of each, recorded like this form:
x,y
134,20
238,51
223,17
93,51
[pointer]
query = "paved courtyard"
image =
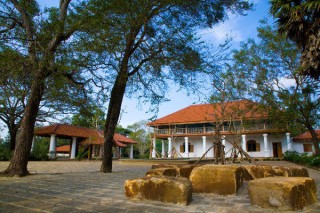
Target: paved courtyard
x,y
73,186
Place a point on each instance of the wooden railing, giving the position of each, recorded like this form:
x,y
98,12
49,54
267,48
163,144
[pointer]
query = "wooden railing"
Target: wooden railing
x,y
199,130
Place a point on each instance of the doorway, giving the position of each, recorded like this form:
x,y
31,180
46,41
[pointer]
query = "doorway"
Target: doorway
x,y
277,149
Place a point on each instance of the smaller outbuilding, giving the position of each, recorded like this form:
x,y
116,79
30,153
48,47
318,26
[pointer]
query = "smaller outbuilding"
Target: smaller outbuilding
x,y
303,142
82,138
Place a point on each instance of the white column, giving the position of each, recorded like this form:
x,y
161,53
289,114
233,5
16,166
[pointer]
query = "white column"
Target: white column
x,y
52,148
186,147
244,147
204,144
73,148
265,142
163,149
288,141
101,151
153,148
223,138
32,145
169,147
131,151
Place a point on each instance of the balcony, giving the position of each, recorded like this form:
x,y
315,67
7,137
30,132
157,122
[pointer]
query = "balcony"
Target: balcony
x,y
209,130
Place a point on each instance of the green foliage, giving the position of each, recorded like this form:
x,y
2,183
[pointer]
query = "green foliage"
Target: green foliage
x,y
123,131
90,116
299,20
82,153
140,133
5,152
40,150
267,71
304,158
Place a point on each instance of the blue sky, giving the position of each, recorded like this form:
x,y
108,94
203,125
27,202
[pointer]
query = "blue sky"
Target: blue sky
x,y
240,28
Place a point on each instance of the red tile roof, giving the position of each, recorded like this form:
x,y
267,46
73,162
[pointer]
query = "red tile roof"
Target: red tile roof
x,y
65,148
306,136
90,136
65,130
203,113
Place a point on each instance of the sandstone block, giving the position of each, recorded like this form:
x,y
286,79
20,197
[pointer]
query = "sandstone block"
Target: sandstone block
x,y
181,170
218,179
162,171
160,188
156,166
295,172
262,171
184,170
282,193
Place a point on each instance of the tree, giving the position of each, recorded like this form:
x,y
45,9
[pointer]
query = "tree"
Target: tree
x,y
141,135
90,116
270,70
13,92
299,20
37,34
142,45
15,88
123,131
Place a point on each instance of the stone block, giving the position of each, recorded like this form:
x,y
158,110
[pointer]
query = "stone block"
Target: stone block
x,y
162,171
218,179
184,170
295,171
160,188
262,171
156,166
181,169
282,193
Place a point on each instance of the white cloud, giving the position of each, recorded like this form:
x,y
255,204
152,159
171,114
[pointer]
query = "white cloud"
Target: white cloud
x,y
220,32
287,82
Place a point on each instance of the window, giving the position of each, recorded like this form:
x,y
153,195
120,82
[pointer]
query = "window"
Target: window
x,y
191,148
253,146
307,147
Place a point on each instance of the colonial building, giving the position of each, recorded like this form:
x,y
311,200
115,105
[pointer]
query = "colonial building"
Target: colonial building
x,y
191,131
89,139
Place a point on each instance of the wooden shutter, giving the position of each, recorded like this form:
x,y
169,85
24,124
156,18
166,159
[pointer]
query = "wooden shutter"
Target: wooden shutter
x,y
182,148
191,148
307,147
257,147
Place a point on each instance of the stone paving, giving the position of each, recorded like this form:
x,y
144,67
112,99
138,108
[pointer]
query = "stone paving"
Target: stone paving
x,y
73,186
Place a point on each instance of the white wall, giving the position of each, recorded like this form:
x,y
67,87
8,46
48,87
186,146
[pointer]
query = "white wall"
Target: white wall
x,y
198,149
298,146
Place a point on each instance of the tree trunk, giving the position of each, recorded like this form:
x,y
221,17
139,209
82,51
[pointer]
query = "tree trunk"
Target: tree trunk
x,y
314,140
114,109
19,161
13,134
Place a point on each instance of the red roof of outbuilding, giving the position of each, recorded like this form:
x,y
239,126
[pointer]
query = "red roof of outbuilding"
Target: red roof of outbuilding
x,y
65,130
306,136
65,148
202,113
90,136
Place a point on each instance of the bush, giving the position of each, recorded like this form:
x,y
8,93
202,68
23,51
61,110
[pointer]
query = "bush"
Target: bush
x,y
304,159
5,153
38,155
315,161
40,151
291,156
82,153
